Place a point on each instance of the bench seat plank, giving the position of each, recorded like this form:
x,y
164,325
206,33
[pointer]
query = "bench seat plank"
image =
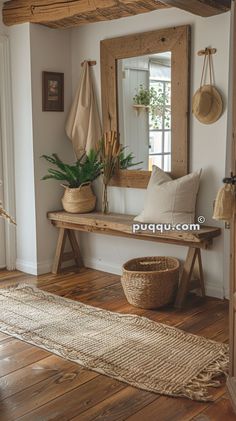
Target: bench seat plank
x,y
121,225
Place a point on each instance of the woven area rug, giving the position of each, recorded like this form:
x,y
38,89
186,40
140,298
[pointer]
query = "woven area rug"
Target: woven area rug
x,y
149,355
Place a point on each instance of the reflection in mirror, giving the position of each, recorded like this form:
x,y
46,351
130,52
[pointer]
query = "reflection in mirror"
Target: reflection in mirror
x,y
144,102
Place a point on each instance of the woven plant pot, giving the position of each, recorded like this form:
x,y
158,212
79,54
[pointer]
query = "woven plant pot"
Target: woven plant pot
x,y
79,200
150,282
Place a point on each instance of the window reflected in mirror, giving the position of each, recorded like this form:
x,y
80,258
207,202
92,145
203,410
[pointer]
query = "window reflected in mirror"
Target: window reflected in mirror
x,y
144,109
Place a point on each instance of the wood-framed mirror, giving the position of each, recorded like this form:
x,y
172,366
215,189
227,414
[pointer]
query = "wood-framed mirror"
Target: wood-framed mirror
x,y
157,60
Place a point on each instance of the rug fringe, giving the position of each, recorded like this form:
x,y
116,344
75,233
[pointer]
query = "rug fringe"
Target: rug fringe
x,y
197,388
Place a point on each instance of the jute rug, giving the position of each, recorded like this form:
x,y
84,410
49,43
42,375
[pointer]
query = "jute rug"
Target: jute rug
x,y
149,355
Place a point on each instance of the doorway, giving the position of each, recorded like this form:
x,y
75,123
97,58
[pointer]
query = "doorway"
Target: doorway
x,y
7,176
2,222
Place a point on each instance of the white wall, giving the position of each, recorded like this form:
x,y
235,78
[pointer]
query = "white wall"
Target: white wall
x,y
208,143
50,51
23,142
34,49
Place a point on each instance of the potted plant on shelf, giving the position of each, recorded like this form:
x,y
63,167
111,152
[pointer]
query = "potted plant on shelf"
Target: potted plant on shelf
x,y
78,196
150,100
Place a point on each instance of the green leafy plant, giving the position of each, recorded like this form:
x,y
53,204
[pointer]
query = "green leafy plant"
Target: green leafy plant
x,y
127,161
150,97
85,169
143,96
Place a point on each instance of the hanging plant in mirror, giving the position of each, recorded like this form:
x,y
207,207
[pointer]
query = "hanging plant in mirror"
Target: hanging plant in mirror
x,y
152,100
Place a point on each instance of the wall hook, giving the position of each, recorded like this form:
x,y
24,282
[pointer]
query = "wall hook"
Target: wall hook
x,y
91,63
207,51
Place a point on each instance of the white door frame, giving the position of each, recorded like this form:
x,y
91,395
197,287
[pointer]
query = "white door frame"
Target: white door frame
x,y
6,125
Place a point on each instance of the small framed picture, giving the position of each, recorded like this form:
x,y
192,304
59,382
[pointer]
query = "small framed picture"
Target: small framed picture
x,y
53,91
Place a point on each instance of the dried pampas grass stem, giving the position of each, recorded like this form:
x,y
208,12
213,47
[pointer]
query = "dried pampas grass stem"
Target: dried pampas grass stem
x,y
110,151
5,215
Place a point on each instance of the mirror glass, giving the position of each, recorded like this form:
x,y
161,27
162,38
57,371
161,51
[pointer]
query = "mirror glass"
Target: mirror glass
x,y
144,109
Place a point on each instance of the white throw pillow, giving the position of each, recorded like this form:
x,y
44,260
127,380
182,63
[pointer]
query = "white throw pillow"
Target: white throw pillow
x,y
170,201
158,177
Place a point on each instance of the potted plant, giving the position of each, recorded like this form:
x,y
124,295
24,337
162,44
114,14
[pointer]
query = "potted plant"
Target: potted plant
x,y
149,99
76,180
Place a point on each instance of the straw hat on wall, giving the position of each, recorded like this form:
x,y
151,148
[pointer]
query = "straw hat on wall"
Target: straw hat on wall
x,y
207,104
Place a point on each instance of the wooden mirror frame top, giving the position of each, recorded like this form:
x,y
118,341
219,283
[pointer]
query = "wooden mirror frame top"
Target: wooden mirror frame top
x,y
176,40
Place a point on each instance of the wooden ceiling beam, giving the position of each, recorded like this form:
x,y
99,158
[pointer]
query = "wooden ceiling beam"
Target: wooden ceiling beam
x,y
205,8
69,13
46,11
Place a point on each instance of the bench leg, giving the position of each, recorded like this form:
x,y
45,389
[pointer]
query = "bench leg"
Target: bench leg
x,y
59,251
61,256
75,249
186,277
200,273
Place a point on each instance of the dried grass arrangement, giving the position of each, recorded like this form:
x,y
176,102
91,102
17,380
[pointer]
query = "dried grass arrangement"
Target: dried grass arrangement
x,y
5,215
109,152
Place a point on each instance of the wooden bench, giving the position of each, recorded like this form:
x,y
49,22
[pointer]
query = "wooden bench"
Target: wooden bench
x,y
121,225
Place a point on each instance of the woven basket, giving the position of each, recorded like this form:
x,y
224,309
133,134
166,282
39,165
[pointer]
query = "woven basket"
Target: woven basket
x,y
79,200
150,282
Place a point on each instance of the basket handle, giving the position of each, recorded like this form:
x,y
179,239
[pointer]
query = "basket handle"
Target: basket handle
x,y
86,183
149,263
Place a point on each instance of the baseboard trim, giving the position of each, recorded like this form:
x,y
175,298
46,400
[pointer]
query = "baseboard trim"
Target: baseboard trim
x,y
226,294
103,266
34,268
44,267
215,291
212,290
26,267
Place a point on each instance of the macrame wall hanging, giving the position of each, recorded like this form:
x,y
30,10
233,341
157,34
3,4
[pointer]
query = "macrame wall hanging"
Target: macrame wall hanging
x,y
207,105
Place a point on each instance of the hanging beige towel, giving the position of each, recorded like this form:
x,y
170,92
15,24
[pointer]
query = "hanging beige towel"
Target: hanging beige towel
x,y
83,125
224,204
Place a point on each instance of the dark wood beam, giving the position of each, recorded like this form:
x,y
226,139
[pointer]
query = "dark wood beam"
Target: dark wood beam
x,y
72,12
203,8
69,13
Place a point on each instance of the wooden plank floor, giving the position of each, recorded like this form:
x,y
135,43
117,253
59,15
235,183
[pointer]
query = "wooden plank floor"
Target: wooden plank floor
x,y
36,385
